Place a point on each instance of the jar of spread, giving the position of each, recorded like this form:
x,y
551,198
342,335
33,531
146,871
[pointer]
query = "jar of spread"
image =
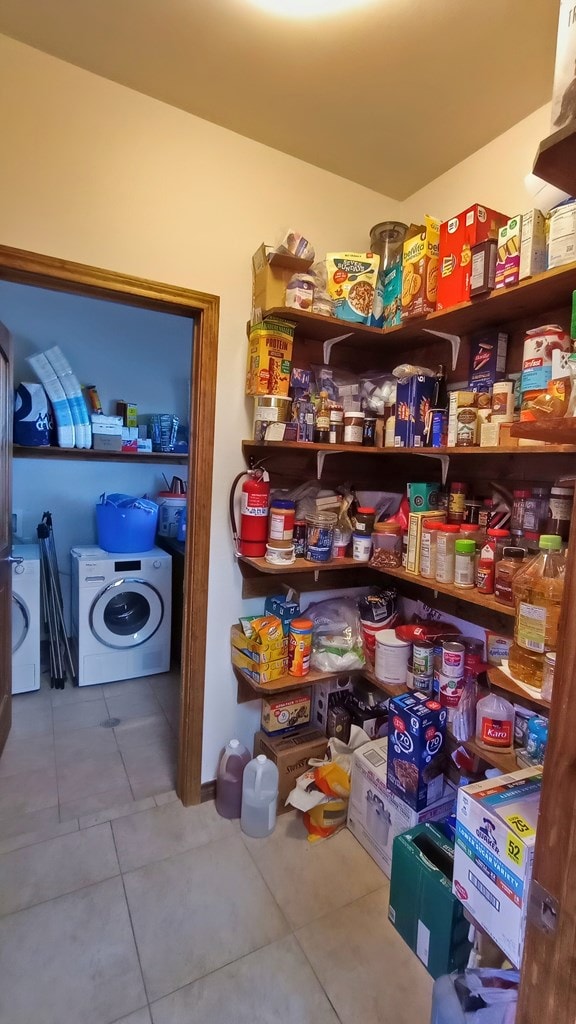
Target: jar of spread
x,y
353,427
364,520
281,523
336,424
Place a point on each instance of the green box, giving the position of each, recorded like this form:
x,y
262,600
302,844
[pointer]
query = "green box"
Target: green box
x,y
422,908
423,497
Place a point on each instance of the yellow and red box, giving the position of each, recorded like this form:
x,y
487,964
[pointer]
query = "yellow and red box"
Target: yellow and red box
x,y
457,236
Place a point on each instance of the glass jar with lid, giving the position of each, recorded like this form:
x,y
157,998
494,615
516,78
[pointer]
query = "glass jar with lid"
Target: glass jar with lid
x,y
364,519
445,552
429,539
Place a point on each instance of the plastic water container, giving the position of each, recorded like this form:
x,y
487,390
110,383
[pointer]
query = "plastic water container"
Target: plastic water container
x,y
259,797
126,529
229,779
171,508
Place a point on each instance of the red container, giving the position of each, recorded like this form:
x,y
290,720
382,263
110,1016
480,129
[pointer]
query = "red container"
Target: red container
x,y
457,236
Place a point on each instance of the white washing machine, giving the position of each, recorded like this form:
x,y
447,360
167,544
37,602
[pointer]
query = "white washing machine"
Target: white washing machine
x,y
121,613
26,618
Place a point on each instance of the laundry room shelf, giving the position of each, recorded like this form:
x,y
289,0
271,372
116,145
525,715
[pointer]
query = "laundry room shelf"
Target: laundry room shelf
x,y
89,454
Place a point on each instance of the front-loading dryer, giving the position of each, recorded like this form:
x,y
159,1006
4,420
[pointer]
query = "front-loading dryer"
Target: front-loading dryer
x,y
25,618
121,613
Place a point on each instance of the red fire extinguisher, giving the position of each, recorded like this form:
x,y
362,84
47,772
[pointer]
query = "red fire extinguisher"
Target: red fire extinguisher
x,y
254,506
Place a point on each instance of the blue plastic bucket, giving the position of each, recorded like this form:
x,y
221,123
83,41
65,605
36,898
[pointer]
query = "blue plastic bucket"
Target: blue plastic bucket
x,y
126,529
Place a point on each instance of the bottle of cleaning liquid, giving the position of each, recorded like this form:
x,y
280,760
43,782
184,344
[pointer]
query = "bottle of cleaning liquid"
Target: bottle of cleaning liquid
x,y
259,797
495,723
229,779
538,590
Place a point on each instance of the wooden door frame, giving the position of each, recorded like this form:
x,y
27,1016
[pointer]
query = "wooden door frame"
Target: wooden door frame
x,y
41,271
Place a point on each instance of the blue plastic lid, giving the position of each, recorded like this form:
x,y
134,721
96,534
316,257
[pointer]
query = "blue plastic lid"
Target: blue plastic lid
x,y
282,503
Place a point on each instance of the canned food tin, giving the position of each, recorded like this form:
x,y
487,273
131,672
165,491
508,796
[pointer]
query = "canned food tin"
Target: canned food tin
x,y
450,689
423,683
423,658
299,647
453,659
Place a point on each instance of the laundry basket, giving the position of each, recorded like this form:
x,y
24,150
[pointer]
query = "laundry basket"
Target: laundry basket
x,y
125,523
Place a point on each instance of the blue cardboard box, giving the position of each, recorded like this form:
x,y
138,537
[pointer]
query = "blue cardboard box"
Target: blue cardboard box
x,y
413,402
416,739
283,610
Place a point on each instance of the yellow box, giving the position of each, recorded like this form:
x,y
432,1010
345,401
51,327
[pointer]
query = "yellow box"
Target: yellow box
x,y
269,357
415,520
260,654
271,272
282,713
264,672
420,271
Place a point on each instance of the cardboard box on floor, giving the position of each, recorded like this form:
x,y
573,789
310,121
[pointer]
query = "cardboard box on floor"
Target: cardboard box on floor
x,y
290,754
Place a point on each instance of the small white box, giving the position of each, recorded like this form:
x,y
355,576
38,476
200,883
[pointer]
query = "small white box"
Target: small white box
x,y
375,815
144,444
495,837
321,693
107,425
562,237
533,258
129,433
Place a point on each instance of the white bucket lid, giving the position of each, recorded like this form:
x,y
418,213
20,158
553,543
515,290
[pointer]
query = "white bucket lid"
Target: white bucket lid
x,y
388,638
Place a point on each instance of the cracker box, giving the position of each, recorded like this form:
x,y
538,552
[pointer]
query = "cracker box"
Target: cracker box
x,y
283,713
417,730
259,653
393,295
562,237
413,402
495,837
415,522
533,253
290,754
263,672
563,98
488,351
420,271
457,236
269,357
508,253
375,815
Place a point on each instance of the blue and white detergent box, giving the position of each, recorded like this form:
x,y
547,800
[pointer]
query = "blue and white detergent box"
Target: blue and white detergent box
x,y
495,838
416,736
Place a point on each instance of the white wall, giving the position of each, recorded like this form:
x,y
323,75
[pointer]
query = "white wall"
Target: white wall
x,y
94,172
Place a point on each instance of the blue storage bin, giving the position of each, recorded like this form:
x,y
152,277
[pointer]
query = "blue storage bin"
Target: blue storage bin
x,y
127,529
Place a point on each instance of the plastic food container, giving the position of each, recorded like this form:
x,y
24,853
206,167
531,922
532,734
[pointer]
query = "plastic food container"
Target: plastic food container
x,y
361,547
320,536
387,546
280,555
392,657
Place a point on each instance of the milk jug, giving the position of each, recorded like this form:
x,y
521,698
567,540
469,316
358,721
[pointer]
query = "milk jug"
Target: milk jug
x,y
229,779
259,797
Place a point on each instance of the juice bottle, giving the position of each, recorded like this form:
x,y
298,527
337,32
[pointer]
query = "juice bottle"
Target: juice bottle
x,y
538,590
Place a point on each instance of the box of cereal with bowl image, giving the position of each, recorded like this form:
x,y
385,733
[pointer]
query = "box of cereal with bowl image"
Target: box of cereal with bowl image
x,y
351,279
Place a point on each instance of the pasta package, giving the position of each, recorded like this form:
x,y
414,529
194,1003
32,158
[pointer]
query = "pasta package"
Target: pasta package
x,y
351,279
420,271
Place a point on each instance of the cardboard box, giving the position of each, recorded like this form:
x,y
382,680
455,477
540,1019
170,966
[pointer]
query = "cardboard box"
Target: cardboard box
x,y
533,252
290,754
264,672
495,837
259,653
563,103
393,295
422,907
423,497
489,435
283,610
271,272
508,256
417,730
107,442
375,815
144,444
415,521
457,401
279,714
413,401
562,235
129,413
457,236
106,425
372,718
420,271
488,351
325,695
269,357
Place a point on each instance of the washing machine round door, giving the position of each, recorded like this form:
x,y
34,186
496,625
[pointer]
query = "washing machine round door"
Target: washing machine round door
x,y
126,613
20,622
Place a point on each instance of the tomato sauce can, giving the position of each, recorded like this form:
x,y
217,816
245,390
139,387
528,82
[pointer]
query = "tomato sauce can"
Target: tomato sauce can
x,y
299,647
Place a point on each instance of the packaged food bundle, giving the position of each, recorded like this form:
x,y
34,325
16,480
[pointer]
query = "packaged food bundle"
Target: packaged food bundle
x,y
351,278
269,357
420,271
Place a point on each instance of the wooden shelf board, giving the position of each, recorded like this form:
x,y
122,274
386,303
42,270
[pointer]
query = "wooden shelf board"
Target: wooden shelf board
x,y
23,452
557,431
502,681
503,761
390,689
532,296
288,682
556,159
300,565
357,449
468,596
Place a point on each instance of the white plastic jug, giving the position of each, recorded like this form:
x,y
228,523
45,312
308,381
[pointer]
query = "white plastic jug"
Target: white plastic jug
x,y
229,779
259,797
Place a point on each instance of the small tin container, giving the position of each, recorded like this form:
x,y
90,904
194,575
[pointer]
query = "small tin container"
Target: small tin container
x,y
423,658
299,647
423,684
453,659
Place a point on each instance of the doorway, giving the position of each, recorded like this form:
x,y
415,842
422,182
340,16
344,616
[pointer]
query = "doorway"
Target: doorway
x,y
201,314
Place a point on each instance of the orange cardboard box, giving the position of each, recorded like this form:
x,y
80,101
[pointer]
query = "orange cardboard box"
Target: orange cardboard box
x,y
420,271
457,236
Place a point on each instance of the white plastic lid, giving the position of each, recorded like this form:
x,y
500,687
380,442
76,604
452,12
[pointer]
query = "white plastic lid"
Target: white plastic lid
x,y
261,758
234,744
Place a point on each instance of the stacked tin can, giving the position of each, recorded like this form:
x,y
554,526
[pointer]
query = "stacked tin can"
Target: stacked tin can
x,y
455,663
421,668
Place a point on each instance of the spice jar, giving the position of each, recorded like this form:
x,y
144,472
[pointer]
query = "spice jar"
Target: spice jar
x,y
472,511
560,512
485,513
387,546
319,536
364,520
505,572
536,510
520,497
336,424
445,552
464,564
369,431
353,427
428,543
485,575
281,523
300,538
456,502
496,539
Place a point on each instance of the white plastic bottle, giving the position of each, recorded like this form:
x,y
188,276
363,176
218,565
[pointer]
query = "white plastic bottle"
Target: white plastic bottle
x,y
495,723
259,797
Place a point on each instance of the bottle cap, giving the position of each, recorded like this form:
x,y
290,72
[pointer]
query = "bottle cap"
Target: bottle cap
x,y
234,744
498,533
366,511
550,542
513,552
465,547
282,503
261,758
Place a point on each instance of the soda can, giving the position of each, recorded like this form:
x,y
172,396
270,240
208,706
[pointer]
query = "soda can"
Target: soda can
x,y
453,659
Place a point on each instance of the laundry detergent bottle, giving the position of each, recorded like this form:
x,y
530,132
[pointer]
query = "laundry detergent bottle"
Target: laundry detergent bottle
x,y
229,779
259,797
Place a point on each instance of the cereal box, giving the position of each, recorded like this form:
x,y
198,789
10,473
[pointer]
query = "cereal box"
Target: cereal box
x,y
457,236
533,251
269,357
282,713
417,729
420,271
508,257
351,279
393,295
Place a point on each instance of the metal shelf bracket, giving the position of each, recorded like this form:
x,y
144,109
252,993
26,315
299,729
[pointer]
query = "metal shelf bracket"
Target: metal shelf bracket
x,y
329,345
320,456
443,459
454,340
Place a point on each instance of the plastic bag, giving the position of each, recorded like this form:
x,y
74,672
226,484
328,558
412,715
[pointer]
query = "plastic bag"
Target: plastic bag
x,y
337,638
377,391
295,244
406,370
339,384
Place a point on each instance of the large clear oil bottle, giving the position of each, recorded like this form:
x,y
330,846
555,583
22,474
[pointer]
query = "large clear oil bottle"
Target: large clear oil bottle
x,y
538,590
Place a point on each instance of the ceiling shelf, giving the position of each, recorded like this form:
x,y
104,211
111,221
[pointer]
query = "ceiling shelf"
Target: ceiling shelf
x,y
89,454
556,159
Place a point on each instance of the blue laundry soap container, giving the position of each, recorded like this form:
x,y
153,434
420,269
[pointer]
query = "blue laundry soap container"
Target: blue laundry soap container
x,y
122,527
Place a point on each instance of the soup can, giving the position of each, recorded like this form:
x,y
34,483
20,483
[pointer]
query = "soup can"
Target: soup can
x,y
423,658
450,690
299,647
423,683
453,659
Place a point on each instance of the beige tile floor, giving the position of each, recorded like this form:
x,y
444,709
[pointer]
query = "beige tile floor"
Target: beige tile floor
x,y
169,915
61,761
